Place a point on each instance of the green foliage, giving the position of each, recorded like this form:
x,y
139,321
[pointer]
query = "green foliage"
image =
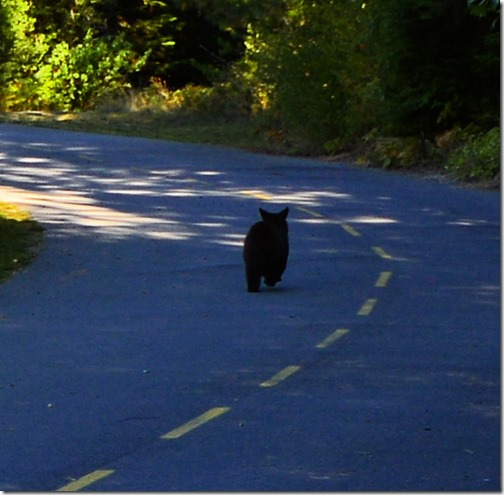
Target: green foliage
x,y
468,153
474,157
39,71
21,50
190,41
225,100
393,152
220,101
75,77
331,71
312,71
438,65
482,8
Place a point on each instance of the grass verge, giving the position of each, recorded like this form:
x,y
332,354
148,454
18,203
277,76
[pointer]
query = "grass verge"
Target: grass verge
x,y
148,124
409,155
241,132
20,238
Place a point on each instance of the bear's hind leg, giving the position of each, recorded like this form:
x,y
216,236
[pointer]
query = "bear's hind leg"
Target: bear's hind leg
x,y
253,280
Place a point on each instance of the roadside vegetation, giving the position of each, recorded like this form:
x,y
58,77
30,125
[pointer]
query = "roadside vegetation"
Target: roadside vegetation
x,y
20,238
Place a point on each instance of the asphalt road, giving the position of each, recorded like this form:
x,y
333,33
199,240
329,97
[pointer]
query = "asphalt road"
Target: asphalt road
x,y
132,357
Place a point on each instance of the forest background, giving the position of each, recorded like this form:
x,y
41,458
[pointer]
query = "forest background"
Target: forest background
x,y
395,83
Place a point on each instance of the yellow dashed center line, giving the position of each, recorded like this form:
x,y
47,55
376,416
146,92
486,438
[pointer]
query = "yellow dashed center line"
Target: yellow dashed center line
x,y
257,194
215,412
332,338
195,423
383,279
381,252
313,213
85,481
350,230
367,307
280,376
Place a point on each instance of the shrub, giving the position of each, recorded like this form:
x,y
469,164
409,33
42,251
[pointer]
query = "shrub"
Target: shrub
x,y
227,99
478,158
41,71
313,81
75,77
21,52
393,152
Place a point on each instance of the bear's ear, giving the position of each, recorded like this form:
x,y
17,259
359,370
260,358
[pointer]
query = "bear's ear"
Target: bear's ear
x,y
284,213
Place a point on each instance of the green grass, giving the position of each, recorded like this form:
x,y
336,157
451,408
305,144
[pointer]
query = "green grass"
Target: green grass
x,y
20,238
173,126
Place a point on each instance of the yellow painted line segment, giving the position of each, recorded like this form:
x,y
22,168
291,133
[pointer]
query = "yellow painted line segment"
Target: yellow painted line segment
x,y
332,338
381,252
195,423
257,194
383,279
313,213
367,307
87,480
280,376
350,230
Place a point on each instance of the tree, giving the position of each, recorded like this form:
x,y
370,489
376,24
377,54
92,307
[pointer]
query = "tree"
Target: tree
x,y
53,67
312,69
331,70
21,50
437,64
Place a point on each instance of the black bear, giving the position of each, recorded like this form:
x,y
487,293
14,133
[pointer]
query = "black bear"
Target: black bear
x,y
266,249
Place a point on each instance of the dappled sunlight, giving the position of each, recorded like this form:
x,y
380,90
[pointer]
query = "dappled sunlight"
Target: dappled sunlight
x,y
181,193
73,209
372,220
469,222
234,240
76,191
320,221
212,173
80,190
211,225
78,198
311,198
301,198
31,159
